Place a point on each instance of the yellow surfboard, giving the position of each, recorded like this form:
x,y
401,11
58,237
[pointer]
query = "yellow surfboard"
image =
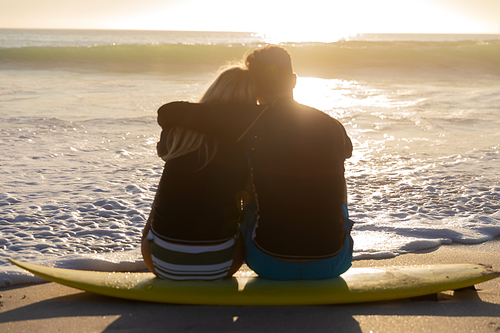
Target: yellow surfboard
x,y
356,285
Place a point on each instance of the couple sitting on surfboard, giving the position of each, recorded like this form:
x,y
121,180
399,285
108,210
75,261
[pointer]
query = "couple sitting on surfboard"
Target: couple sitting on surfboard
x,y
250,176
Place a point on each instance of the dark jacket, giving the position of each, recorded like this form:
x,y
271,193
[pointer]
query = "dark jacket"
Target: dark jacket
x,y
199,205
297,156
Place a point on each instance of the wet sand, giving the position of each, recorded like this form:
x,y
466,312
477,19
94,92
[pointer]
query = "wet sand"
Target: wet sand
x,y
51,307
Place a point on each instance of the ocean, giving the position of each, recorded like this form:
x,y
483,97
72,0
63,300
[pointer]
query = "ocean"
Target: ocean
x,y
78,133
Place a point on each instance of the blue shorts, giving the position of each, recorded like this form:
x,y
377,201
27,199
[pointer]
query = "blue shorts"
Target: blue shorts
x,y
268,267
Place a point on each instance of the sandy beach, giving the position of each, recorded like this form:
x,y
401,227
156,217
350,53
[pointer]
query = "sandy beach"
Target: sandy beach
x,y
51,307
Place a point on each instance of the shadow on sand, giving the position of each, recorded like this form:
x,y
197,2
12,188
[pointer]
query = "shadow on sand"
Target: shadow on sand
x,y
135,316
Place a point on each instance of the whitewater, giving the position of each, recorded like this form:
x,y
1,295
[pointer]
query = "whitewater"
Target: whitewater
x,y
78,169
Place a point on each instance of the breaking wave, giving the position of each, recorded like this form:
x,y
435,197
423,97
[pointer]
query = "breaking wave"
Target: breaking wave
x,y
479,59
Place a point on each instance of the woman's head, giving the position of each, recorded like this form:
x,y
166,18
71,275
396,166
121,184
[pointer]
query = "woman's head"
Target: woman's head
x,y
233,85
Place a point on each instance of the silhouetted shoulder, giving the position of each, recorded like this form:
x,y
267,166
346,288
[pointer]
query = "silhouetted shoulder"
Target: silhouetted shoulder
x,y
225,121
338,130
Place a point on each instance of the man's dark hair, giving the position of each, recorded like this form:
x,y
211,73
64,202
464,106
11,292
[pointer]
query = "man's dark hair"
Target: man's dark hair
x,y
271,68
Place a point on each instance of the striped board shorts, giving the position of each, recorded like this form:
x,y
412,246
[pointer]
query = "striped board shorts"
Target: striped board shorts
x,y
191,262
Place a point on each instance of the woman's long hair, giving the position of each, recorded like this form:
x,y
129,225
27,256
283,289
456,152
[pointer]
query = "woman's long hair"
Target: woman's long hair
x,y
233,85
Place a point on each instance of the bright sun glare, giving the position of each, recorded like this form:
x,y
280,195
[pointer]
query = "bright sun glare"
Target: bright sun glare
x,y
279,20
314,21
330,21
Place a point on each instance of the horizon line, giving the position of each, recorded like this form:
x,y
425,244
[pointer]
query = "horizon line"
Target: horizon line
x,y
253,32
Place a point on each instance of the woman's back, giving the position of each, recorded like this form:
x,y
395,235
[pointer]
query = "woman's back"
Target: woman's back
x,y
199,204
192,231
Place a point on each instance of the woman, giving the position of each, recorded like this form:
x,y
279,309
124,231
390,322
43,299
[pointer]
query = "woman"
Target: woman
x,y
192,231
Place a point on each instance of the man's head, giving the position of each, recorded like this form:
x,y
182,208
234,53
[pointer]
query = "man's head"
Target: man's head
x,y
271,68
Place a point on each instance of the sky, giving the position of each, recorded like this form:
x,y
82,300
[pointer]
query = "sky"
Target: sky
x,y
266,16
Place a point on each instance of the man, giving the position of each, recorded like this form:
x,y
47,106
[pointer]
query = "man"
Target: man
x,y
296,228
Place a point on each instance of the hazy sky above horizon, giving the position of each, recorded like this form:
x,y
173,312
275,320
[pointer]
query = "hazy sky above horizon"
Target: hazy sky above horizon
x,y
312,17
